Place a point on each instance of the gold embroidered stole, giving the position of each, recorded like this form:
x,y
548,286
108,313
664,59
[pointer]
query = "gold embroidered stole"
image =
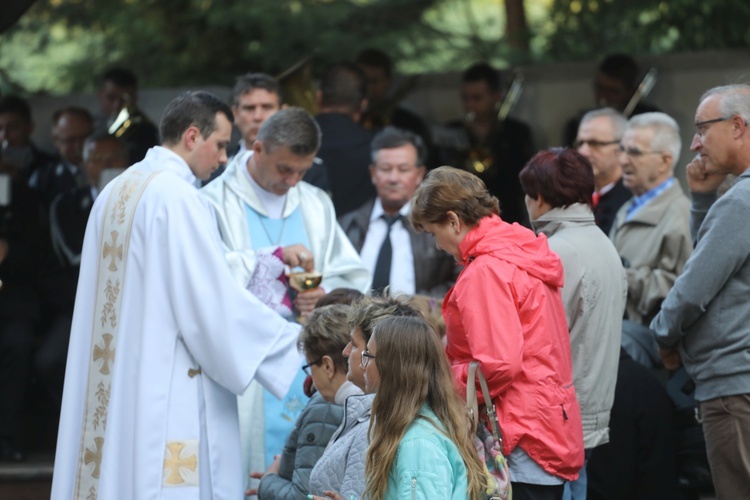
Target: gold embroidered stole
x,y
113,250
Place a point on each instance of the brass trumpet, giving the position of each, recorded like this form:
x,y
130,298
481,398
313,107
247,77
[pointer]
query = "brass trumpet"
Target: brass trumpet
x,y
479,160
642,91
127,118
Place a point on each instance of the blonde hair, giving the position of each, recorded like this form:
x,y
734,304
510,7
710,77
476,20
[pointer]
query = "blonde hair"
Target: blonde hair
x,y
431,309
450,189
413,371
367,311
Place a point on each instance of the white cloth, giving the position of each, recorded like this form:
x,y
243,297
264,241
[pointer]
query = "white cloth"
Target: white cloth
x,y
334,255
181,310
402,260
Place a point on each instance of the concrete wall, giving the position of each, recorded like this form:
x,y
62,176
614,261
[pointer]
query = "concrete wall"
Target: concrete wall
x,y
552,94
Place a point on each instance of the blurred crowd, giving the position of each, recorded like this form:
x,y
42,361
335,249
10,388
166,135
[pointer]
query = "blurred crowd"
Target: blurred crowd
x,y
583,279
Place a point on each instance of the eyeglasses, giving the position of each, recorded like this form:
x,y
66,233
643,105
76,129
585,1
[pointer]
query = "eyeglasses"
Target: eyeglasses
x,y
366,356
594,144
635,152
306,368
702,127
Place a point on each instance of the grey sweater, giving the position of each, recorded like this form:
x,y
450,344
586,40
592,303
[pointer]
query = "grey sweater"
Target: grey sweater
x,y
706,313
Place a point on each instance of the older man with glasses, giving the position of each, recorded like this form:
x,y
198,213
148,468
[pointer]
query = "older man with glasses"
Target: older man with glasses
x,y
705,321
599,134
651,231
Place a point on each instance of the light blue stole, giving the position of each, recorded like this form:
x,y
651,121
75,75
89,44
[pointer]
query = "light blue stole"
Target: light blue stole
x,y
280,415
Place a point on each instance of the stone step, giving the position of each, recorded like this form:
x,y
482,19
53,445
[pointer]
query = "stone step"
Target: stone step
x,y
27,480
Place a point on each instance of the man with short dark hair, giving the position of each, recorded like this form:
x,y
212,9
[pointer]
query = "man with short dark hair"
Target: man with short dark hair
x,y
383,106
163,338
704,322
382,225
16,126
345,149
22,245
118,90
493,150
71,126
615,82
255,97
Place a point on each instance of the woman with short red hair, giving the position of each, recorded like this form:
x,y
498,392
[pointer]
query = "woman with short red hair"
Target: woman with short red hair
x,y
558,184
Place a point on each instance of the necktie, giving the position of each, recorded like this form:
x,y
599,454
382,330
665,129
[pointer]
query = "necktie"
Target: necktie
x,y
382,275
595,199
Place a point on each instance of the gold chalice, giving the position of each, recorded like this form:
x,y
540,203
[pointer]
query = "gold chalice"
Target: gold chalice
x,y
303,281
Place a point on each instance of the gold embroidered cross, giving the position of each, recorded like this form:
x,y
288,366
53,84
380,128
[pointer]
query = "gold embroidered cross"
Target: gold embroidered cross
x,y
106,353
173,463
113,251
94,456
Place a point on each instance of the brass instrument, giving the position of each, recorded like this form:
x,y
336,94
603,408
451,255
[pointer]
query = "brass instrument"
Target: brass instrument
x,y
298,86
479,160
642,91
127,118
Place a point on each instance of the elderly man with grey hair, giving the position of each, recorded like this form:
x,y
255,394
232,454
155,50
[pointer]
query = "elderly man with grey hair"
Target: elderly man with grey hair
x,y
270,218
705,320
651,231
598,138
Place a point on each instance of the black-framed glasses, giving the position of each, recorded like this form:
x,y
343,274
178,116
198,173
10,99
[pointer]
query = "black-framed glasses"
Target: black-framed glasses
x,y
594,144
366,357
702,127
306,368
635,152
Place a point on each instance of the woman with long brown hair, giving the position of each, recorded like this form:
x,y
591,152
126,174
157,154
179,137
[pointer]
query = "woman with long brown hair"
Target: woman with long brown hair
x,y
420,434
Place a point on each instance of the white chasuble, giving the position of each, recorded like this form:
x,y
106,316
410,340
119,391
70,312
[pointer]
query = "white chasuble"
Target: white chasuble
x,y
189,339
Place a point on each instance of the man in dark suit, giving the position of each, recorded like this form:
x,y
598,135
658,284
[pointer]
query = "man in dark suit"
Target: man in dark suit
x,y
68,216
598,137
494,150
118,90
71,126
345,147
382,224
16,148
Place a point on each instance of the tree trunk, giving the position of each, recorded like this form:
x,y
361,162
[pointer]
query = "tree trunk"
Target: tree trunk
x,y
516,29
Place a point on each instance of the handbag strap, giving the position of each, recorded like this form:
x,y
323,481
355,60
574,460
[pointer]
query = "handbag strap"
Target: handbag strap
x,y
475,371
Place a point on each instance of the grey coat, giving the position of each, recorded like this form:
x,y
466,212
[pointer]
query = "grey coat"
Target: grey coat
x,y
655,244
314,427
594,298
342,466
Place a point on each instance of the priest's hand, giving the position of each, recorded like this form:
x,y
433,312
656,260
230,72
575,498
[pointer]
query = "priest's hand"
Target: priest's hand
x,y
305,301
272,469
298,255
702,176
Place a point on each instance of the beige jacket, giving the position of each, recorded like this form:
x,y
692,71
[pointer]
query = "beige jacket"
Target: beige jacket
x,y
594,299
654,244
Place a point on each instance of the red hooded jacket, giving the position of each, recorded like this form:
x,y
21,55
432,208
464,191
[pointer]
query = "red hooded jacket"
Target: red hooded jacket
x,y
505,311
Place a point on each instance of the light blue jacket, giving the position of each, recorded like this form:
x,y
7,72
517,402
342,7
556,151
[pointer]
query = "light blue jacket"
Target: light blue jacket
x,y
428,464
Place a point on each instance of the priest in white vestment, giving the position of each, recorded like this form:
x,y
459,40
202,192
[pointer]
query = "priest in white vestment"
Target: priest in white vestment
x,y
163,337
269,218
